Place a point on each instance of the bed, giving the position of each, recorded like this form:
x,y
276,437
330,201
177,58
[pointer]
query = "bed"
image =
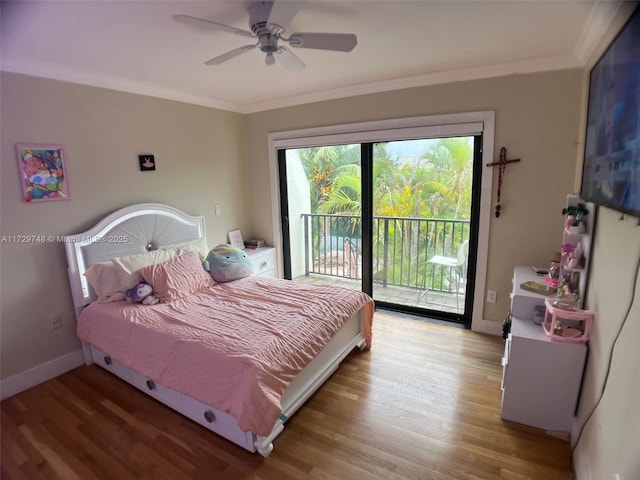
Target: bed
x,y
237,357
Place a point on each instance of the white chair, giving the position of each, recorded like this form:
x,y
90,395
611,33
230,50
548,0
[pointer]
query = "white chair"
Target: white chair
x,y
457,268
351,255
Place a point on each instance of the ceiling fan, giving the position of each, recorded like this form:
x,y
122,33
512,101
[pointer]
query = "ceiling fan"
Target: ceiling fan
x,y
268,21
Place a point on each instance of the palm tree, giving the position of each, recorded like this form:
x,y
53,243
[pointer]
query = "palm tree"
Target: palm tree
x,y
320,165
451,164
327,170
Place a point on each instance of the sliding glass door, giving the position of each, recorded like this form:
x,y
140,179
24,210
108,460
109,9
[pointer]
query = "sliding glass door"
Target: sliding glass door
x,y
422,198
394,219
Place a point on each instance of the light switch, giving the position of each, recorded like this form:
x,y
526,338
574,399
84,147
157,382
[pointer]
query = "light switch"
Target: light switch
x,y
218,209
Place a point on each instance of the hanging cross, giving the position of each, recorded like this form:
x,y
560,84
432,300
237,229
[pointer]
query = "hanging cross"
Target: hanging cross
x,y
502,164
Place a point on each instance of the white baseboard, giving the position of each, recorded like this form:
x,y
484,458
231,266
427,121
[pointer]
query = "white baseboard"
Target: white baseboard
x,y
581,467
34,376
491,327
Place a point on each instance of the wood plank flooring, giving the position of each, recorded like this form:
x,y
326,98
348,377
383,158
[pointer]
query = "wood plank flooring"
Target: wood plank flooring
x,y
424,403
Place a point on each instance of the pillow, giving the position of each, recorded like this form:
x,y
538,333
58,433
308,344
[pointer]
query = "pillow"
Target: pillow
x,y
127,267
103,278
199,246
177,278
227,263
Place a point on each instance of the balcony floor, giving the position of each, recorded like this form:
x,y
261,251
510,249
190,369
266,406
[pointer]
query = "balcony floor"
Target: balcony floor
x,y
444,302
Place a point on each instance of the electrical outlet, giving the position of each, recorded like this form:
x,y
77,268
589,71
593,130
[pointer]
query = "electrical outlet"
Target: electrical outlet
x,y
55,321
492,296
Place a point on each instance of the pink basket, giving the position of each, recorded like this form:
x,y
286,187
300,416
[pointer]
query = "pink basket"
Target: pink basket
x,y
563,325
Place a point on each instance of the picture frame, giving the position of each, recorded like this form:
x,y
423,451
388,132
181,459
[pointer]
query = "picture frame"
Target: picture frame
x,y
43,172
147,162
235,239
611,168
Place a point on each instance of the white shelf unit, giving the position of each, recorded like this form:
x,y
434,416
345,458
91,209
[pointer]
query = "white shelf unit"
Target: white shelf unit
x,y
541,378
579,285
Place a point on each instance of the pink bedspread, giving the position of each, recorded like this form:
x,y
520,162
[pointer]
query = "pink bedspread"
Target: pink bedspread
x,y
234,346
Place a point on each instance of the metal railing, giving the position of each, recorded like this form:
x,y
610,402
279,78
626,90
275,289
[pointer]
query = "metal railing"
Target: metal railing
x,y
401,248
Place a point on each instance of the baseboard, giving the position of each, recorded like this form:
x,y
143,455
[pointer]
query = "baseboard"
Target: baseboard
x,y
34,376
491,327
581,467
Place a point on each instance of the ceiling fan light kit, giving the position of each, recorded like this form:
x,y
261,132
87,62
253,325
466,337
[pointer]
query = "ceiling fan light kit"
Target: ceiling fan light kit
x,y
267,22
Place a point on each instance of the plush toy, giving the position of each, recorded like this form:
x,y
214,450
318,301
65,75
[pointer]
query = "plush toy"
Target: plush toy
x,y
227,263
142,293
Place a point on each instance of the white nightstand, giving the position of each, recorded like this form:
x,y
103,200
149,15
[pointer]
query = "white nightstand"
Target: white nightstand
x,y
264,261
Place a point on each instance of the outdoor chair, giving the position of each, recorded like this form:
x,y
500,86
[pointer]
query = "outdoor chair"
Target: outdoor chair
x,y
457,268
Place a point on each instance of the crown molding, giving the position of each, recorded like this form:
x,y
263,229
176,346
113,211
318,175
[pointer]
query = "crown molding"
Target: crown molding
x,y
115,83
431,78
600,19
399,83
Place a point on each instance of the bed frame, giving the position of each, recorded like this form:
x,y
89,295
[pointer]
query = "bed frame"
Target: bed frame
x,y
144,227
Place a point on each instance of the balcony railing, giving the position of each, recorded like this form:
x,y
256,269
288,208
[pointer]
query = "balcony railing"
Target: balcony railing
x,y
401,249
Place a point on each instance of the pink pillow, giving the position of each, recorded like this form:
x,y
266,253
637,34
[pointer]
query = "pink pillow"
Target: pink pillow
x,y
177,278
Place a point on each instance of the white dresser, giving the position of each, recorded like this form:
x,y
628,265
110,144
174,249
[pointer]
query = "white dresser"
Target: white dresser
x,y
264,261
541,379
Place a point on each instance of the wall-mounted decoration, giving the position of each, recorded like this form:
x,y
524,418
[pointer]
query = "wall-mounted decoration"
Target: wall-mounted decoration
x,y
235,239
502,164
611,172
43,175
147,162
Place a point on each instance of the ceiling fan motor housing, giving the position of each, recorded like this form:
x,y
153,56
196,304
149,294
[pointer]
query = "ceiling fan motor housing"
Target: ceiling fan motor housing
x,y
268,34
268,40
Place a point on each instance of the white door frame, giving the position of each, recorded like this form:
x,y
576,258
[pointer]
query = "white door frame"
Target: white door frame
x,y
402,129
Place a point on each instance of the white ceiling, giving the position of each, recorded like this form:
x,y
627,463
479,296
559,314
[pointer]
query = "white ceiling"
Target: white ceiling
x,y
135,46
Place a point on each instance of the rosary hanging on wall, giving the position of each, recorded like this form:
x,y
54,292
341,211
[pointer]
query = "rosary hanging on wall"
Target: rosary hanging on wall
x,y
502,164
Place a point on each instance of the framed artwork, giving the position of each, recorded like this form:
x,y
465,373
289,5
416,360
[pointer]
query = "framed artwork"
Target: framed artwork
x,y
235,239
611,170
43,174
147,162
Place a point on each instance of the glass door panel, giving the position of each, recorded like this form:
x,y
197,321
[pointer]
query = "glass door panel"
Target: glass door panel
x,y
323,189
421,225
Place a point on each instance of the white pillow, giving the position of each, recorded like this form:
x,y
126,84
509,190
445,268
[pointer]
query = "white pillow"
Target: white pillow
x,y
199,246
104,279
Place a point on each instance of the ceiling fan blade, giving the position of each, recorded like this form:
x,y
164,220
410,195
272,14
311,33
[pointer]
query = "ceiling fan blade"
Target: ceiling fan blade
x,y
341,42
229,55
289,60
283,12
208,24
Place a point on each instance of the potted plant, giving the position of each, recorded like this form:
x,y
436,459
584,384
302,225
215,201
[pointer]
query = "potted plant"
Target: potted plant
x,y
575,217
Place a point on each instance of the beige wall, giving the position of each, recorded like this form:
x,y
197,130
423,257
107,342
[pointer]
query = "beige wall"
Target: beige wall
x,y
200,156
608,413
610,441
537,120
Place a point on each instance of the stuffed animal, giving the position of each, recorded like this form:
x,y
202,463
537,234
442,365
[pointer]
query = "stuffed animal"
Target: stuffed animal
x,y
227,263
141,293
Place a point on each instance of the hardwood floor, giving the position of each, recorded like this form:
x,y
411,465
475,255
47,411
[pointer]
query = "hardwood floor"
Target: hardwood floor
x,y
424,403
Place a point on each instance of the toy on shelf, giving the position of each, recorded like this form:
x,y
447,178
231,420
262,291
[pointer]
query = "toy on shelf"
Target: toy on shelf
x,y
562,323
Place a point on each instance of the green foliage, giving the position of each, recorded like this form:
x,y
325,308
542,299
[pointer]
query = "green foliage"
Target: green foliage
x,y
436,184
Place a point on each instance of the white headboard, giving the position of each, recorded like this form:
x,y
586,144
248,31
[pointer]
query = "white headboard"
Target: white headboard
x,y
130,230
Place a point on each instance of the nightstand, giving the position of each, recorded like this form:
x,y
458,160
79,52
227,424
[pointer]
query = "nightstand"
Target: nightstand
x,y
264,261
